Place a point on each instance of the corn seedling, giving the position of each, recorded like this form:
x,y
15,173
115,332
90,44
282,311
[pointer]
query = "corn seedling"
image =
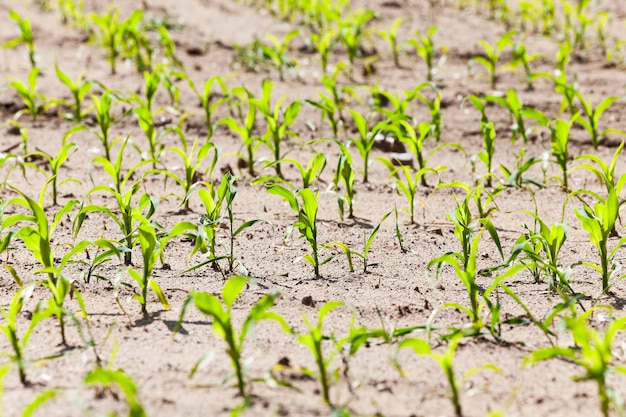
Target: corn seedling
x,y
278,122
592,352
105,119
152,246
116,377
522,58
365,141
599,221
488,132
446,363
79,90
425,49
492,56
308,174
221,314
207,99
367,244
155,146
515,177
35,102
345,172
592,117
408,187
245,130
54,163
10,329
278,52
191,160
324,43
391,37
434,106
307,219
352,30
25,37
123,195
515,107
109,33
37,237
313,340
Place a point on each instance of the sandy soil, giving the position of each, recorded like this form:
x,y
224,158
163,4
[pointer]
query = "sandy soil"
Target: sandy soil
x,y
396,292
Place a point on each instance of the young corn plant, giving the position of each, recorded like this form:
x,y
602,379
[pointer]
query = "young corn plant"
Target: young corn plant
x,y
592,352
278,52
54,163
352,31
492,56
191,159
152,245
345,173
367,244
245,130
488,132
391,37
116,377
314,339
10,329
221,314
307,219
408,187
425,48
79,89
515,107
208,101
278,122
522,58
105,119
591,119
35,103
123,195
109,32
599,221
446,363
324,43
308,174
37,237
25,37
365,141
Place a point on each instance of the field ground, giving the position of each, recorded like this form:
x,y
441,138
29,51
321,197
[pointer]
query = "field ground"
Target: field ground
x,y
396,292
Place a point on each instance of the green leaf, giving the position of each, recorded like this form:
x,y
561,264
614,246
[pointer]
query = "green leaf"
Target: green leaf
x,y
232,289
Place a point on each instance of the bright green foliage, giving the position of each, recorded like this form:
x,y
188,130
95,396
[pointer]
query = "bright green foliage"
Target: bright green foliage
x,y
245,127
25,37
79,90
105,119
367,244
345,173
278,52
109,378
278,122
123,194
425,49
307,219
35,102
492,56
10,329
109,33
309,173
324,43
365,141
352,31
522,58
152,246
221,314
37,237
599,221
191,158
513,104
207,102
592,352
446,363
391,37
593,115
408,187
55,162
313,340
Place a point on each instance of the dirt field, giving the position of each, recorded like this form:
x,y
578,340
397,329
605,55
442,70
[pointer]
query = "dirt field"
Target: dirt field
x,y
396,291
